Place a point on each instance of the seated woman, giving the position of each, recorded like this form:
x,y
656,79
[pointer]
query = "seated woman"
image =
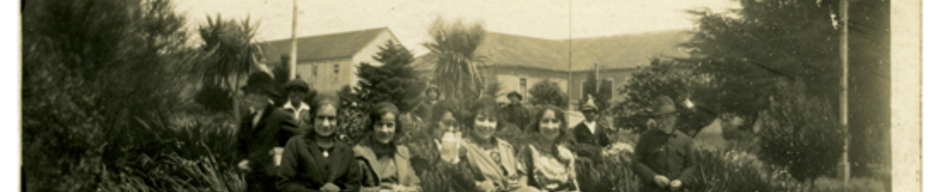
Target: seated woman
x,y
549,165
492,159
436,152
318,161
385,164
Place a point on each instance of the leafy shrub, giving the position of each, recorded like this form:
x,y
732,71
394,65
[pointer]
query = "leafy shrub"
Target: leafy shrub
x,y
800,133
737,171
548,93
214,98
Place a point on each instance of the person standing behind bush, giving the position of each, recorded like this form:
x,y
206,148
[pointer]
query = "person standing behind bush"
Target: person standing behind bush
x,y
423,110
492,159
547,163
318,160
386,166
296,91
515,113
664,160
263,134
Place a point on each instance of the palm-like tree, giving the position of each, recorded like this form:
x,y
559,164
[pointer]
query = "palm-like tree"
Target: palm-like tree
x,y
230,53
452,52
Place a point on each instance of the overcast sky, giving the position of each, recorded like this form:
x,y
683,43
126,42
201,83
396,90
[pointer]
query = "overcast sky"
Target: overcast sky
x,y
409,19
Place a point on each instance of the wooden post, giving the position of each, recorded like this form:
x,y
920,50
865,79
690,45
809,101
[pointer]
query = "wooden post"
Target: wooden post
x,y
293,44
844,92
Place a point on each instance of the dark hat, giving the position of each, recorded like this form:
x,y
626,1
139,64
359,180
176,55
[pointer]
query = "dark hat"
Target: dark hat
x,y
514,94
663,105
297,84
261,82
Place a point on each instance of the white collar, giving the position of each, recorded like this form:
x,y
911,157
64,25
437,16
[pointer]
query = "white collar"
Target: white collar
x,y
592,126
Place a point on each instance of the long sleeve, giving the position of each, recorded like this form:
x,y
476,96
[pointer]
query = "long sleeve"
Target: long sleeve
x,y
604,140
689,165
645,173
287,172
352,181
242,144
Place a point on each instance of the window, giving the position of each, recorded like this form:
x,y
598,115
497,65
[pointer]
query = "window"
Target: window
x,y
314,69
609,84
522,86
335,72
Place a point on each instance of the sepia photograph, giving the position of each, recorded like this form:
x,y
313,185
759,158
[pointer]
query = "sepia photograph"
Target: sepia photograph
x,y
485,95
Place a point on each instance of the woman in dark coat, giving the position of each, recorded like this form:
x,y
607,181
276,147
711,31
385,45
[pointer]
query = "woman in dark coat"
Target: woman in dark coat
x,y
318,161
435,152
385,164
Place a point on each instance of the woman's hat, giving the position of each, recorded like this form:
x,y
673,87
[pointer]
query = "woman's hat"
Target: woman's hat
x,y
297,84
663,105
261,82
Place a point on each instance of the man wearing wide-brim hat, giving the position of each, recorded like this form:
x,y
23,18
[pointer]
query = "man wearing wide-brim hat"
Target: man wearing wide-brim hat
x,y
663,159
515,113
296,91
263,134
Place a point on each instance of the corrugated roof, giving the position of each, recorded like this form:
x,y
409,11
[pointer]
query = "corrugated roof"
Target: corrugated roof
x,y
329,46
614,52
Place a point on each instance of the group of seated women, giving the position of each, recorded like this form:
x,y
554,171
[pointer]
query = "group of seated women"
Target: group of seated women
x,y
319,161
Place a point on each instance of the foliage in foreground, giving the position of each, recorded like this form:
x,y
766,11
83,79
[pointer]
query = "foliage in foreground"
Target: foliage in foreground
x,y
800,133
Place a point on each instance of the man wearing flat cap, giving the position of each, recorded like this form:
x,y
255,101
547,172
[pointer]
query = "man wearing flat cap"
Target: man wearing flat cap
x,y
591,137
296,91
515,113
263,134
663,160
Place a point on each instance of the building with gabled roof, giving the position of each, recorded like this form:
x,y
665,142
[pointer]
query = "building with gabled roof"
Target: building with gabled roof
x,y
519,62
329,62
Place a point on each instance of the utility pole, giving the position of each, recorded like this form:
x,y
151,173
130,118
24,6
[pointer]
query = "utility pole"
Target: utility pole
x,y
293,44
844,94
570,81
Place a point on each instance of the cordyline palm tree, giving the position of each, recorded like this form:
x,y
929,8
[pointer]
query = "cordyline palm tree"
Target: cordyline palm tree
x,y
229,53
452,52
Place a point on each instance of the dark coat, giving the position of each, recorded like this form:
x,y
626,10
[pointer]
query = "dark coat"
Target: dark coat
x,y
587,144
427,162
303,167
273,130
659,153
516,114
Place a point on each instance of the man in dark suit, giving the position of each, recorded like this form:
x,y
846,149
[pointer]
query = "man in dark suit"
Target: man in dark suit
x,y
664,160
515,113
591,137
590,140
263,134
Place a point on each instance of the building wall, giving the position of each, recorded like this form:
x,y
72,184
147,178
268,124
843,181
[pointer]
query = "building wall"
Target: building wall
x,y
510,79
619,78
323,75
329,76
